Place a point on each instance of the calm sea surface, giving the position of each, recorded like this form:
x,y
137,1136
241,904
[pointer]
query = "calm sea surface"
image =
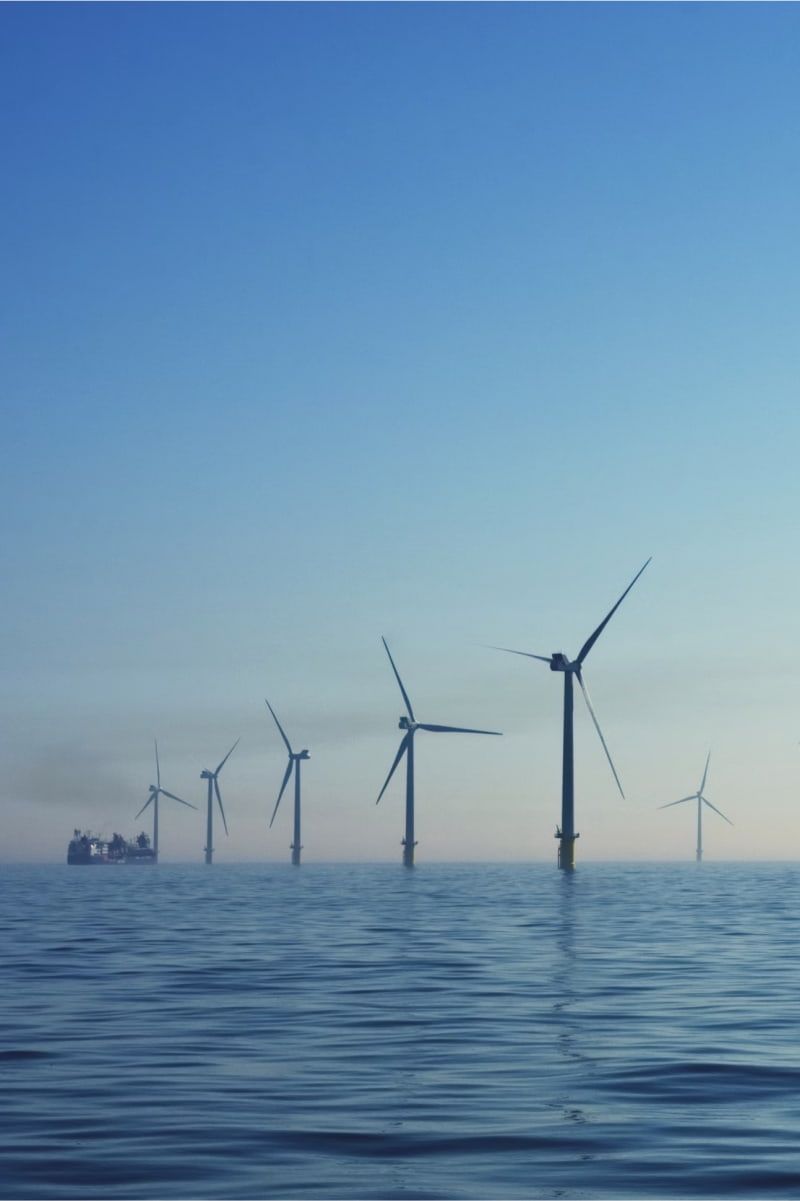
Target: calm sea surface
x,y
455,1031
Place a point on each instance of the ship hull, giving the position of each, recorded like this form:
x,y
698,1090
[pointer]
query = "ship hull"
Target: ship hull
x,y
85,850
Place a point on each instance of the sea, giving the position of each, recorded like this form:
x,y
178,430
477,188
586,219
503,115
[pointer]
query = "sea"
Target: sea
x,y
366,1031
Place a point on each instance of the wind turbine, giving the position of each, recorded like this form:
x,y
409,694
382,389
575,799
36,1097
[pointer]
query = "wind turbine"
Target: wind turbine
x,y
155,792
558,661
294,764
213,787
411,725
701,800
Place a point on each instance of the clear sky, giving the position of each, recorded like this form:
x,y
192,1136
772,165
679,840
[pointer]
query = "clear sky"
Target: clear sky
x,y
322,322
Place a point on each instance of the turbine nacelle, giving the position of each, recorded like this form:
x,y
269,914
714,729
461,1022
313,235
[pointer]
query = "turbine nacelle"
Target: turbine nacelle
x,y
406,724
560,662
207,775
300,755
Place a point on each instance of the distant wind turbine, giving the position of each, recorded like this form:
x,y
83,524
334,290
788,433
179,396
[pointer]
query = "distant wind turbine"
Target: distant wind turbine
x,y
213,787
565,833
411,725
701,800
155,792
294,764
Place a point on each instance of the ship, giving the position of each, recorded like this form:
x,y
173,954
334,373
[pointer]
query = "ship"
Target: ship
x,y
87,848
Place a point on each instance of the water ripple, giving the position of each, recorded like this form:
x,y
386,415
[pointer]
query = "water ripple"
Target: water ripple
x,y
455,1032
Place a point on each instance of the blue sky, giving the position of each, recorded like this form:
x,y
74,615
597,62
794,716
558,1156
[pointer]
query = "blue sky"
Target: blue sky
x,y
323,322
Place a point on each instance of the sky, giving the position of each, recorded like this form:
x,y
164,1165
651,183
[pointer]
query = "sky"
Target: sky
x,y
327,322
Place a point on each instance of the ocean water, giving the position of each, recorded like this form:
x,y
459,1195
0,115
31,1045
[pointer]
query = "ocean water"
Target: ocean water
x,y
456,1031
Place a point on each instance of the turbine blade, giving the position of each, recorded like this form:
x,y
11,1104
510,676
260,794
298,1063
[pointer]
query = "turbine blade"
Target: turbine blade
x,y
399,681
716,810
705,773
227,757
527,654
599,731
219,802
149,801
172,797
590,641
669,804
158,765
280,727
280,794
401,751
456,730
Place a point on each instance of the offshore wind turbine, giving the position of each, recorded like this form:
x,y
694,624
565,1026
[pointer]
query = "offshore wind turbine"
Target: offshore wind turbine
x,y
155,792
701,800
213,787
565,833
411,725
294,765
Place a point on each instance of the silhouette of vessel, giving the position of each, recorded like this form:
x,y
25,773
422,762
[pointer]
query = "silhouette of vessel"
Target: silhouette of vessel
x,y
87,848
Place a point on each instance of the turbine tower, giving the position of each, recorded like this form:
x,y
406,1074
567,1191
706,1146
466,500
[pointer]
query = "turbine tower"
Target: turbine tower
x,y
213,787
294,764
565,833
411,725
155,792
701,800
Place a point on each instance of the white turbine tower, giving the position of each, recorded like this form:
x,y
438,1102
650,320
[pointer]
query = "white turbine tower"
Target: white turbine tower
x,y
295,759
701,800
566,833
155,792
213,787
410,725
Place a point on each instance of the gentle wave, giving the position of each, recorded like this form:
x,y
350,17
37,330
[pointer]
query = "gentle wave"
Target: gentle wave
x,y
355,1031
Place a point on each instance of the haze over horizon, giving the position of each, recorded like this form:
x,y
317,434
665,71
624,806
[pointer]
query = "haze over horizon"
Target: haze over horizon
x,y
434,322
